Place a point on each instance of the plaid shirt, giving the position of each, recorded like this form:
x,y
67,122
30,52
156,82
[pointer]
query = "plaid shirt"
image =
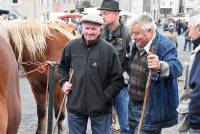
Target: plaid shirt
x,y
137,76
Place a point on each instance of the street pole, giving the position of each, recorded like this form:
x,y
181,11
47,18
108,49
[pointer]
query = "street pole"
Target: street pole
x,y
35,9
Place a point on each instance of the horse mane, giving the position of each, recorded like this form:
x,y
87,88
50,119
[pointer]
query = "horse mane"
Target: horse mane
x,y
29,34
66,29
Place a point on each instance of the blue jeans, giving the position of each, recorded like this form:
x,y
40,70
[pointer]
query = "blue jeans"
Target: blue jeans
x,y
194,131
78,123
135,110
120,104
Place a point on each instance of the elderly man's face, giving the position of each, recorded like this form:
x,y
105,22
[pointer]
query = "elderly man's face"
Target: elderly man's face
x,y
194,31
109,17
91,31
140,36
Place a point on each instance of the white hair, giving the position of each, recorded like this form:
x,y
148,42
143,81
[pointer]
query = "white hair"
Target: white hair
x,y
194,16
146,22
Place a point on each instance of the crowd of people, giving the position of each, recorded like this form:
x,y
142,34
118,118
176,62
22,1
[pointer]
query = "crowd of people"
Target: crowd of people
x,y
111,64
173,29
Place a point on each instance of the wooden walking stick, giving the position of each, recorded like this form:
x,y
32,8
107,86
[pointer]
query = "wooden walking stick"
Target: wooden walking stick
x,y
145,98
63,102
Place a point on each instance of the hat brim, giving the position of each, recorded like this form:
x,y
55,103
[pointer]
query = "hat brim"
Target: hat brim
x,y
92,22
108,9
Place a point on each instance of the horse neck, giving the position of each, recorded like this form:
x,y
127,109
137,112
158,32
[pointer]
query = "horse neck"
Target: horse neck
x,y
24,55
55,45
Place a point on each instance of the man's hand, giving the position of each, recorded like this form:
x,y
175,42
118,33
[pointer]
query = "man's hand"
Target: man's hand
x,y
153,62
66,88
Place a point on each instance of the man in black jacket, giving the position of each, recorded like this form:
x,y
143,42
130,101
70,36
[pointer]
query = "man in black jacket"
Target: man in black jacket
x,y
116,33
194,82
97,78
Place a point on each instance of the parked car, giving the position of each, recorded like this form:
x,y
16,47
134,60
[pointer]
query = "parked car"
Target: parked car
x,y
9,13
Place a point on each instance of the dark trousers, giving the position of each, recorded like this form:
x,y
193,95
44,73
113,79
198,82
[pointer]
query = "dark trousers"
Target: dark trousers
x,y
189,44
78,123
135,110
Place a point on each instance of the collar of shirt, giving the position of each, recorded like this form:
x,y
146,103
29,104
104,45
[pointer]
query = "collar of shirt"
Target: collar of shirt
x,y
148,46
115,33
193,53
90,43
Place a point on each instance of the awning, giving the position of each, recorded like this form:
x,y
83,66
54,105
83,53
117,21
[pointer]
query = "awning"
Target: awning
x,y
70,15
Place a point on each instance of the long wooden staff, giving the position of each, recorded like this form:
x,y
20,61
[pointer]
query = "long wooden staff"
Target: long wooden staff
x,y
145,98
63,101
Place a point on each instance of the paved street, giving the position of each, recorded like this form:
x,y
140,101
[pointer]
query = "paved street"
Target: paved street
x,y
29,118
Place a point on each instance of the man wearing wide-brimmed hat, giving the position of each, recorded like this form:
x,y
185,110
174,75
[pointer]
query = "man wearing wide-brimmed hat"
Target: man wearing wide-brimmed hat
x,y
118,35
97,78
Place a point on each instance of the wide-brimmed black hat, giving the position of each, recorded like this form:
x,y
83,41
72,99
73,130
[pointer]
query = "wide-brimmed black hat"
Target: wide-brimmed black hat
x,y
110,5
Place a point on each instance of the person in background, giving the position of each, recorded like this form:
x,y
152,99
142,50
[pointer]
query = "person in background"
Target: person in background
x,y
118,35
179,26
166,68
79,27
194,79
97,78
170,34
188,41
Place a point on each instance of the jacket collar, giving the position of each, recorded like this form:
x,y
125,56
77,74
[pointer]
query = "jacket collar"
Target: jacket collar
x,y
153,43
149,44
91,43
116,32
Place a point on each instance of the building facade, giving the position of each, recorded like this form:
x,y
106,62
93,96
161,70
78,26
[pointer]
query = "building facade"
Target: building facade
x,y
42,9
163,8
155,9
132,6
168,8
39,9
189,4
30,9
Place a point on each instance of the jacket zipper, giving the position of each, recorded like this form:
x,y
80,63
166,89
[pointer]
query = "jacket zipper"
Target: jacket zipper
x,y
87,66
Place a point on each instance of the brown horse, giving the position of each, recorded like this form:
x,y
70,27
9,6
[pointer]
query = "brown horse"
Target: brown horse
x,y
10,104
37,43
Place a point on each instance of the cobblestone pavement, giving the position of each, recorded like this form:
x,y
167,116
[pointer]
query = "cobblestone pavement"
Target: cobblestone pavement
x,y
29,118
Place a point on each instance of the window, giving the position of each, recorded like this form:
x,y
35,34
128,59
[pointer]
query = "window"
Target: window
x,y
93,2
171,3
44,2
41,2
15,1
163,3
56,1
